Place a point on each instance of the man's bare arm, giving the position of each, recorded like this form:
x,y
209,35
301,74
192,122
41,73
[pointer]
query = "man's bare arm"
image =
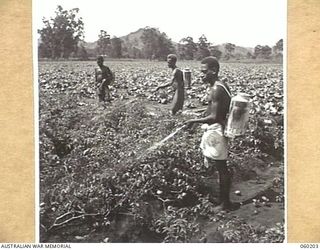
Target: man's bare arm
x,y
107,75
166,85
163,86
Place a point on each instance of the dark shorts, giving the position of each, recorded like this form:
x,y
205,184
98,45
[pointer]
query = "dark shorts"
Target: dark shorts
x,y
178,100
103,92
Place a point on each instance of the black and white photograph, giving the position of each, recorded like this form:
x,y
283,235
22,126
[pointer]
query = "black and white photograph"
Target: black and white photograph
x,y
160,121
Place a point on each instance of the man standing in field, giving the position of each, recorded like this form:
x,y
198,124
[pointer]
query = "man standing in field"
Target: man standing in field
x,y
103,78
177,84
214,143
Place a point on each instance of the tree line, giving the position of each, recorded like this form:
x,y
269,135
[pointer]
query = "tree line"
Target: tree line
x,y
62,36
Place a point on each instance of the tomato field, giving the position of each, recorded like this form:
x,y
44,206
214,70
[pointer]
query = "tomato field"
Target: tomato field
x,y
100,182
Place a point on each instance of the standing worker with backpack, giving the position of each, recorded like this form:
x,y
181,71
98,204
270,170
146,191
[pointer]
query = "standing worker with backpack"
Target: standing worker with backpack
x,y
177,84
214,144
104,77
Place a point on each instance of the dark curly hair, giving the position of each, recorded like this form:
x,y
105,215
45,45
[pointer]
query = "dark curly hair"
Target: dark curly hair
x,y
212,63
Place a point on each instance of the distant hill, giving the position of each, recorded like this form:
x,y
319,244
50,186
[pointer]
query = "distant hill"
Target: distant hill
x,y
239,51
133,39
133,45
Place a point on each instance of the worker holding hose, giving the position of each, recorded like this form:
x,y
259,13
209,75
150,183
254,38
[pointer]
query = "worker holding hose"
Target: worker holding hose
x,y
214,144
177,84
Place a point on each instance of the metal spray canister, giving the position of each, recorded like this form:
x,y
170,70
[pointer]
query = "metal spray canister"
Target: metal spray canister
x,y
238,116
187,77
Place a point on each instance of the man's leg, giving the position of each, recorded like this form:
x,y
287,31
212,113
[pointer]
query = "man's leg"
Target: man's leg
x,y
108,95
101,94
225,176
211,170
101,97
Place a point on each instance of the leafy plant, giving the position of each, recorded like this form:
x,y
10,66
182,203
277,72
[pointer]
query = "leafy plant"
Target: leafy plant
x,y
102,170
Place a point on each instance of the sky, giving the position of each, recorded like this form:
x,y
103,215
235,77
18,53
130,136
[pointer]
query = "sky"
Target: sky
x,y
242,22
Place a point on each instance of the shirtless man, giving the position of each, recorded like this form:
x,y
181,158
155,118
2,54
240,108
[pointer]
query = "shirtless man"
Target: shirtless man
x,y
177,84
103,77
214,143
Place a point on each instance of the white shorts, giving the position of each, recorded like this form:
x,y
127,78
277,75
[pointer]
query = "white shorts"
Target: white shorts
x,y
214,144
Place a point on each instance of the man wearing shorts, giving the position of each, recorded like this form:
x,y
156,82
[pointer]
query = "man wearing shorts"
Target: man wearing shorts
x,y
103,77
214,144
176,83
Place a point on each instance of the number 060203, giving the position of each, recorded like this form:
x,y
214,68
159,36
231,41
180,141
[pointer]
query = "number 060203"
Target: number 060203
x,y
310,246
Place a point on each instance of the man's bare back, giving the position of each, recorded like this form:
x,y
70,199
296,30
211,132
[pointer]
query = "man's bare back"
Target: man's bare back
x,y
218,103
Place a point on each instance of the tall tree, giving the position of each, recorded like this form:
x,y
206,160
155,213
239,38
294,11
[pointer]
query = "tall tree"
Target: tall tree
x,y
103,43
266,52
262,51
116,47
156,45
149,40
230,48
258,51
187,48
203,47
164,47
181,51
60,35
278,48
